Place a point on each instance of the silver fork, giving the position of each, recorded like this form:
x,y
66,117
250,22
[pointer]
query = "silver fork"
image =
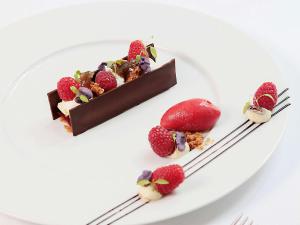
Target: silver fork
x,y
243,220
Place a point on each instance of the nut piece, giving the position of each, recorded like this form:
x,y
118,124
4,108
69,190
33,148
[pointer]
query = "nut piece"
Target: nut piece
x,y
66,124
133,73
96,89
86,78
195,140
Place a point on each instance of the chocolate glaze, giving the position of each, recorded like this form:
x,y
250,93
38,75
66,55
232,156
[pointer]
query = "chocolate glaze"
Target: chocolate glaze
x,y
118,100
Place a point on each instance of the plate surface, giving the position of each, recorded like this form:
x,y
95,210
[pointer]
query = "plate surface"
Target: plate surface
x,y
51,177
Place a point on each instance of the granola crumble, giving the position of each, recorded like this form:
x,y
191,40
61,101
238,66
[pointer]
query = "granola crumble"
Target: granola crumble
x,y
96,89
194,139
86,78
134,73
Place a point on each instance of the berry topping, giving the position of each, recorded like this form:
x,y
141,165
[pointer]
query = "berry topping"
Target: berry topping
x,y
136,48
166,179
161,141
266,96
191,115
64,88
106,80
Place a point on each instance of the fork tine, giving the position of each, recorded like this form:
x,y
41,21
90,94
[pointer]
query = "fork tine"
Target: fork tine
x,y
241,220
237,219
244,221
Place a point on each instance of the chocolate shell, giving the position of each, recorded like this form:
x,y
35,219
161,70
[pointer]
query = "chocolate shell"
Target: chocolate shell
x,y
118,100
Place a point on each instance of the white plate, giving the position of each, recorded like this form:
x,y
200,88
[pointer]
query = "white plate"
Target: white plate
x,y
50,177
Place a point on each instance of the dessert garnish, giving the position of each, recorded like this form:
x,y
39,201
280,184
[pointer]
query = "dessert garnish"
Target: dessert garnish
x,y
263,103
100,89
106,80
154,185
162,181
182,128
194,115
167,143
196,140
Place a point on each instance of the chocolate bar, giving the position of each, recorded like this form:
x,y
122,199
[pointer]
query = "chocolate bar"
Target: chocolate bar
x,y
117,100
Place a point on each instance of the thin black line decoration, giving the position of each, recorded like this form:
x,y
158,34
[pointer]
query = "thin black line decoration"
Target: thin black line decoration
x,y
191,165
230,146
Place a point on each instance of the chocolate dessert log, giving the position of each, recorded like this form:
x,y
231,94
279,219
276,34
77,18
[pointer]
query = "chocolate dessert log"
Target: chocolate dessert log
x,y
118,100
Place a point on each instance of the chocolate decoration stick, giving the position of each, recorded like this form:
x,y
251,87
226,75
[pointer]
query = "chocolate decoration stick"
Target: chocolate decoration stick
x,y
118,100
54,99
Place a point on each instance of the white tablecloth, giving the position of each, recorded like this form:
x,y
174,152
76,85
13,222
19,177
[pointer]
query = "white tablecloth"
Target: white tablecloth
x,y
272,196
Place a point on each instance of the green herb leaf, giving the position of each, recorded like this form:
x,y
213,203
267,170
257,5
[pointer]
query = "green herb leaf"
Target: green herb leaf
x,y
120,62
83,98
174,136
153,52
138,58
246,107
161,181
143,182
74,90
77,75
110,63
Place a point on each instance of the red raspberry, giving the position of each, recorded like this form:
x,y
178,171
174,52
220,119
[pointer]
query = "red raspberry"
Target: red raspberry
x,y
136,48
161,141
106,80
63,88
266,96
173,174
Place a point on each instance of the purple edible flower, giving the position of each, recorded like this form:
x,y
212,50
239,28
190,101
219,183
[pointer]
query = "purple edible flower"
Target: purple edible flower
x,y
87,92
102,66
145,65
146,175
83,91
180,141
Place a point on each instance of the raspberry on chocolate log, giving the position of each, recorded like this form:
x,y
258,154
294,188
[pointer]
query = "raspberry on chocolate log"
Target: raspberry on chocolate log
x,y
90,98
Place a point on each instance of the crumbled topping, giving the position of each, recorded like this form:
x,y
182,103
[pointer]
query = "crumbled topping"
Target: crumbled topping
x,y
66,124
194,139
96,89
134,73
68,128
207,141
86,78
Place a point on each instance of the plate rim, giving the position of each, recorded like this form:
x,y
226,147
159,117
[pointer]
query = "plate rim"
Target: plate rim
x,y
274,145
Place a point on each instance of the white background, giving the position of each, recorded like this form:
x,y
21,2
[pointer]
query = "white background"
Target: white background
x,y
273,195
